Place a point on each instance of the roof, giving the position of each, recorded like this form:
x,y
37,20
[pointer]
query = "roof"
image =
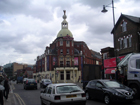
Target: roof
x,y
96,54
64,32
129,17
132,18
64,25
61,84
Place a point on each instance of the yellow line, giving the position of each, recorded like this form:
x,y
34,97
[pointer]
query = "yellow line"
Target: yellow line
x,y
19,98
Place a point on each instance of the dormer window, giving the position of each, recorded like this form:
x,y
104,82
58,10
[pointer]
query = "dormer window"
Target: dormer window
x,y
124,28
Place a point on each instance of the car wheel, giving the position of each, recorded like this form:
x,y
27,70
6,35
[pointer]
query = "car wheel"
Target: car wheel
x,y
25,88
36,88
107,100
136,90
88,96
51,104
42,102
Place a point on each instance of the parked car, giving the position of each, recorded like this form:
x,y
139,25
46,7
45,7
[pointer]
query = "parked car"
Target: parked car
x,y
62,94
30,83
109,91
45,82
24,80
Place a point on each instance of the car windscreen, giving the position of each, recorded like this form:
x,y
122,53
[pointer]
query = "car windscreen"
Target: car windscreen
x,y
31,80
68,89
47,80
113,84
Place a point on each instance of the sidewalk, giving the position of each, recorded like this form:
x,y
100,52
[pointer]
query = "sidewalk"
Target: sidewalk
x,y
11,100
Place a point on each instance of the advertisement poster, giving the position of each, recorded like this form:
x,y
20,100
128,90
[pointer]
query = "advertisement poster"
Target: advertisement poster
x,y
76,61
54,61
111,62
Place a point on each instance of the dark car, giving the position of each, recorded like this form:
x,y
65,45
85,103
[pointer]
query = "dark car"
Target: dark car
x,y
30,84
108,91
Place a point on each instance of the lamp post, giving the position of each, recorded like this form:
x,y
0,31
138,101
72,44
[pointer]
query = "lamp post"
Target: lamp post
x,y
104,11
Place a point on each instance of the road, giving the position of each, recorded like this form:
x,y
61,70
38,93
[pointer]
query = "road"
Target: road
x,y
32,97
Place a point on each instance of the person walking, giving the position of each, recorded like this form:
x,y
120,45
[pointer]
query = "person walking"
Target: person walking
x,y
1,93
7,88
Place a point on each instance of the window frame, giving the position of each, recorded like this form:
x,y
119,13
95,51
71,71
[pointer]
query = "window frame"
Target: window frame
x,y
61,42
130,41
124,28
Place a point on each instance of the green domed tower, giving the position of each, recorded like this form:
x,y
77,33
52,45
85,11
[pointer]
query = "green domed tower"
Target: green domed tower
x,y
64,28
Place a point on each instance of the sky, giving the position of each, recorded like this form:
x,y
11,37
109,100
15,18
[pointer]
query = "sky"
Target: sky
x,y
28,26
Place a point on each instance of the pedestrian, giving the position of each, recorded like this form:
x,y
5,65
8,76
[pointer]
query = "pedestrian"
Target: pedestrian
x,y
7,88
1,94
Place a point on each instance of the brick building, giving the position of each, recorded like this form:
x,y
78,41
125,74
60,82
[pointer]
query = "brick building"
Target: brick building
x,y
126,36
63,60
11,68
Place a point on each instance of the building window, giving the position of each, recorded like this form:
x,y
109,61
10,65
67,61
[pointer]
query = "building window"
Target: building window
x,y
67,43
130,44
120,44
67,51
125,43
62,75
67,75
124,26
72,51
61,63
97,62
68,63
61,51
61,43
64,24
105,56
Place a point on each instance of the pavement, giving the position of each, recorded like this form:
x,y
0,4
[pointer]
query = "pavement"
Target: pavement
x,y
13,101
10,100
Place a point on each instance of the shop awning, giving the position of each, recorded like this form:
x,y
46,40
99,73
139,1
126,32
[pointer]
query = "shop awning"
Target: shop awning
x,y
110,71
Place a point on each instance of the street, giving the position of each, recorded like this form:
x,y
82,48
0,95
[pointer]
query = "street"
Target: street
x,y
32,97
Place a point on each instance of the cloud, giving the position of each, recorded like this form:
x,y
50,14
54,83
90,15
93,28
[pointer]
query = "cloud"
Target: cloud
x,y
26,28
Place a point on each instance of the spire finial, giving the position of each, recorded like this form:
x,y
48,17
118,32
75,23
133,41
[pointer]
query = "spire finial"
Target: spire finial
x,y
64,16
64,11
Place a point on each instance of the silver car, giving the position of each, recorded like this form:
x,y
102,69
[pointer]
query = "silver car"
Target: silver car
x,y
45,82
63,93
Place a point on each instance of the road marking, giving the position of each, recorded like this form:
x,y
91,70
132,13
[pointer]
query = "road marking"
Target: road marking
x,y
20,99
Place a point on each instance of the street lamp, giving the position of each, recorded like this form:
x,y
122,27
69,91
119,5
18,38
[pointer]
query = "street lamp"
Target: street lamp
x,y
104,11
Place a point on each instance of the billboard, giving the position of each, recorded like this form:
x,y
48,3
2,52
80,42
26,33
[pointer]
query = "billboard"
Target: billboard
x,y
111,62
54,61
